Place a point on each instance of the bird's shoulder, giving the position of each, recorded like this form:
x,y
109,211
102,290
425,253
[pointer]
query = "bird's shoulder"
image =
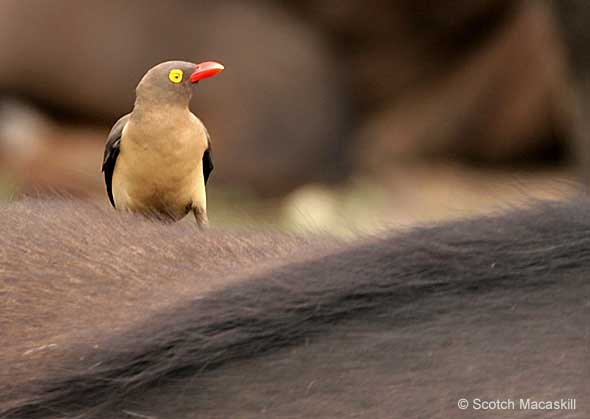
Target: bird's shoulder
x,y
111,152
117,128
208,165
113,140
201,128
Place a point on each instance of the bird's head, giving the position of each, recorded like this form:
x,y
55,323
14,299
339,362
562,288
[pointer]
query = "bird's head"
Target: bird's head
x,y
173,81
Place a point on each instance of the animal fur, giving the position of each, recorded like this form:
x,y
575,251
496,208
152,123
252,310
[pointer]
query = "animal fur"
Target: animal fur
x,y
112,316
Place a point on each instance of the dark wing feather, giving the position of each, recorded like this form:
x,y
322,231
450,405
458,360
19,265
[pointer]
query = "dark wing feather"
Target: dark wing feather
x,y
111,152
207,159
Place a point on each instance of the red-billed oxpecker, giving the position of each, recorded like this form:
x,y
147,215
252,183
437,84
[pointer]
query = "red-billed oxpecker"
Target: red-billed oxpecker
x,y
157,158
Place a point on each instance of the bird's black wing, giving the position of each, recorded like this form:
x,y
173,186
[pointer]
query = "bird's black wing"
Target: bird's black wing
x,y
111,152
207,159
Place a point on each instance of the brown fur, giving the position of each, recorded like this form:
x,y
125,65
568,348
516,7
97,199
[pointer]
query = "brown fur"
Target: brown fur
x,y
111,316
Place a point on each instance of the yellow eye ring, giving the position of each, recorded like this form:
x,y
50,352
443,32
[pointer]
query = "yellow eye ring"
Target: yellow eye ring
x,y
175,75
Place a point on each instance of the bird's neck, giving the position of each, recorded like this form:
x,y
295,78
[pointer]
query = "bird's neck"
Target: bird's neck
x,y
160,111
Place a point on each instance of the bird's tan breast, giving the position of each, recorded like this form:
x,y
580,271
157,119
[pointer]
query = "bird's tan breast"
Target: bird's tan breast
x,y
159,168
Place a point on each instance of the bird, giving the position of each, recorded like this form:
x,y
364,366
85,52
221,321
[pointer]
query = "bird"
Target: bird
x,y
157,158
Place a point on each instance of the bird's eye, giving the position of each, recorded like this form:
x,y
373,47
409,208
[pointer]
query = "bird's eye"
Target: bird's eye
x,y
175,75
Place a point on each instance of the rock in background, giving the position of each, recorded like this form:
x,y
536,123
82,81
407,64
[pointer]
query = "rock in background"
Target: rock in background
x,y
479,80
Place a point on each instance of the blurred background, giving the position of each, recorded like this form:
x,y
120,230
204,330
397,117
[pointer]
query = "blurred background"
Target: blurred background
x,y
339,116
